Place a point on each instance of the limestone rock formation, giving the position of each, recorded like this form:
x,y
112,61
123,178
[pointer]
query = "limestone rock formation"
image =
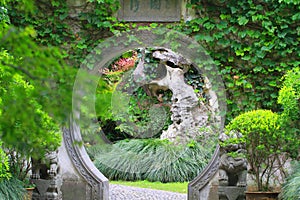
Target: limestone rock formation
x,y
191,117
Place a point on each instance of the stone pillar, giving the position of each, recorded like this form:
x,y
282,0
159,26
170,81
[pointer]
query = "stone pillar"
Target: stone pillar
x,y
69,173
81,180
203,187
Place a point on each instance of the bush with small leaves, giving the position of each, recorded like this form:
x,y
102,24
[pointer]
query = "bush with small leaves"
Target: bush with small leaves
x,y
289,98
265,142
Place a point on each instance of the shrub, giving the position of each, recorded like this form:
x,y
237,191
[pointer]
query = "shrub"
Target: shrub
x,y
289,95
289,98
153,160
4,165
291,188
10,187
261,132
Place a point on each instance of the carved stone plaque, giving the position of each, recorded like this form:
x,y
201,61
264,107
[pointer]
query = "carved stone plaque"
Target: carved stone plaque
x,y
150,10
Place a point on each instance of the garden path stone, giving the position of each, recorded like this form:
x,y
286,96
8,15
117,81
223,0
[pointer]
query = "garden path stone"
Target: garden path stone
x,y
120,192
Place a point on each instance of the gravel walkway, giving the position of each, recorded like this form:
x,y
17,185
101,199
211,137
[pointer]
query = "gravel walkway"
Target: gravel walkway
x,y
120,192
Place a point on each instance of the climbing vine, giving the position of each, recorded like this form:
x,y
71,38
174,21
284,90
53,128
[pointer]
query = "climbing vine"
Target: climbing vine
x,y
77,29
253,42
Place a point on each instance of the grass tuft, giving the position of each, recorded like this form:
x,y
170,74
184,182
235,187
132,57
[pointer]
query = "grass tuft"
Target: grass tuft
x,y
291,188
12,189
151,159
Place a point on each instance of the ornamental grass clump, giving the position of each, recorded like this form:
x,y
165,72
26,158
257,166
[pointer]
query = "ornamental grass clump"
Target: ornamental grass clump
x,y
291,188
262,135
152,160
10,187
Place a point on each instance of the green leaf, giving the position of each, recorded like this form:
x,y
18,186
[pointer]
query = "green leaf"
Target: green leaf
x,y
223,16
63,16
242,34
239,52
222,25
247,57
258,69
82,46
273,83
296,16
282,34
230,59
242,20
260,54
209,25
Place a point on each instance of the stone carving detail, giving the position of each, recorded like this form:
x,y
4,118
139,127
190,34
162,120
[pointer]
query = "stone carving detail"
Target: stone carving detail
x,y
96,188
150,11
197,187
46,173
53,164
232,171
45,177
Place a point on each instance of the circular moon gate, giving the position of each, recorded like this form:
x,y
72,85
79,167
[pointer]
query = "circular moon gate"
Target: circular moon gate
x,y
90,72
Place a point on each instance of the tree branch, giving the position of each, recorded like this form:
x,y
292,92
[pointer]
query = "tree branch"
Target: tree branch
x,y
24,71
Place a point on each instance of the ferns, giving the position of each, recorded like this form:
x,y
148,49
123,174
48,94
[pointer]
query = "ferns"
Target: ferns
x,y
151,159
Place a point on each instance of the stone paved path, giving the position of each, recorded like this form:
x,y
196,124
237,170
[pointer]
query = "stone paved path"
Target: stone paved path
x,y
120,192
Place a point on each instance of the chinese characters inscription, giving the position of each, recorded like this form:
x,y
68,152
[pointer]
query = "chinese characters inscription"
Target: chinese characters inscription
x,y
150,10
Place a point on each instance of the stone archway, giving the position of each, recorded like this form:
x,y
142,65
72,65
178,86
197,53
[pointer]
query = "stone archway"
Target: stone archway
x,y
81,179
205,185
82,174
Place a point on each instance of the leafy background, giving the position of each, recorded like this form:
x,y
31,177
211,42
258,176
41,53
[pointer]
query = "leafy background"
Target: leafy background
x,y
252,42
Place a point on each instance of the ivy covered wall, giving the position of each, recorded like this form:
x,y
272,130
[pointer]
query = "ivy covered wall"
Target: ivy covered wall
x,y
253,42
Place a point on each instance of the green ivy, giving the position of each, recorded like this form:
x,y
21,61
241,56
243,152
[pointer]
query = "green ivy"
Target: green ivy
x,y
253,43
76,33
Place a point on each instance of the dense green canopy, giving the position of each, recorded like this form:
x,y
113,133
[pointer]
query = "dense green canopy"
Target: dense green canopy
x,y
34,92
253,44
